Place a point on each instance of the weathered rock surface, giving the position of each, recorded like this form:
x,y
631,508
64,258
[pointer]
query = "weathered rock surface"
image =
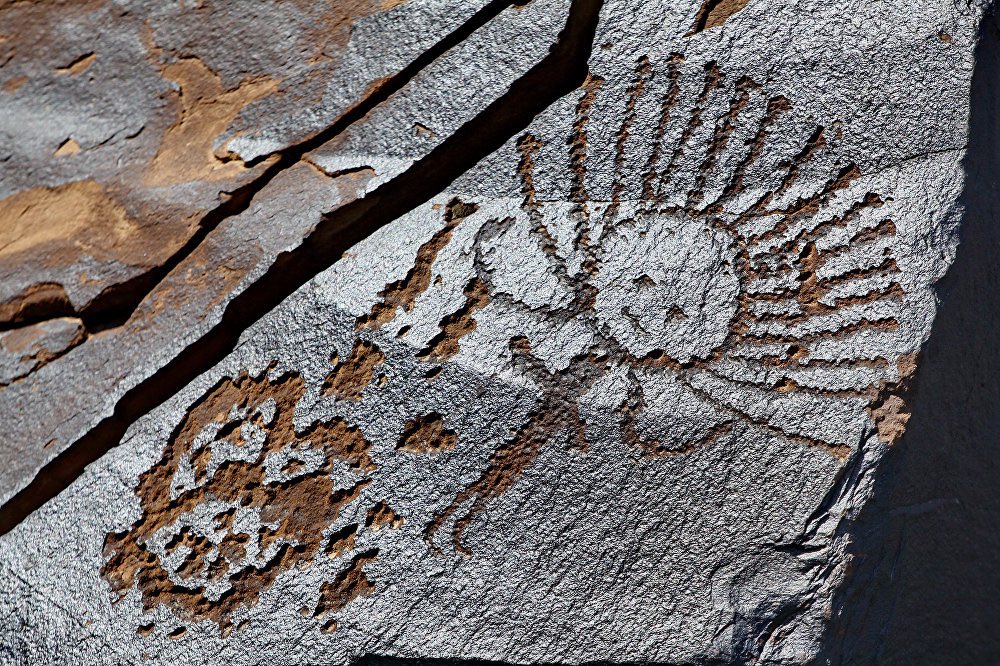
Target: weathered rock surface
x,y
615,393
62,402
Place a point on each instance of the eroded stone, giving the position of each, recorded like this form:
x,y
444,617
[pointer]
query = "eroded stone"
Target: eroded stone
x,y
618,391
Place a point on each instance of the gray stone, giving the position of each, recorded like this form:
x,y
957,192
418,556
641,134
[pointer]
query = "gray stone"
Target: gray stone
x,y
55,407
616,394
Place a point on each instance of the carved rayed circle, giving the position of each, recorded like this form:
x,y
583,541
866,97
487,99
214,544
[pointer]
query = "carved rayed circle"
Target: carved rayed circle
x,y
668,284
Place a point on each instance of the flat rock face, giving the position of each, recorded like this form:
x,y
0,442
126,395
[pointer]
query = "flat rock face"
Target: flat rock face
x,y
615,394
61,238
123,125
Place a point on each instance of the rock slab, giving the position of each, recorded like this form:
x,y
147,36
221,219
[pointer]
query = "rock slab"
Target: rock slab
x,y
615,394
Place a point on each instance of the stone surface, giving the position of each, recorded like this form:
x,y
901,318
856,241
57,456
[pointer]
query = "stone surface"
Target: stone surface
x,y
617,393
50,411
123,139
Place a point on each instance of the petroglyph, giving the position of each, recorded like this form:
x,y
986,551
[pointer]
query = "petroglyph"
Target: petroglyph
x,y
684,277
254,523
605,368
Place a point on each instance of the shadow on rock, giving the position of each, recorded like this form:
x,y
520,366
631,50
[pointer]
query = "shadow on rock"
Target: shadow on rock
x,y
925,585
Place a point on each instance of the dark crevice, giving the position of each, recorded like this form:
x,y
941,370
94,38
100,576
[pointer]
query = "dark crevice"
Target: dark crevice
x,y
377,660
561,71
925,570
116,304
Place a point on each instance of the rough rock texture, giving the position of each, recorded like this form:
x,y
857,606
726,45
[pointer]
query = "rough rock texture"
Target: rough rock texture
x,y
488,371
178,293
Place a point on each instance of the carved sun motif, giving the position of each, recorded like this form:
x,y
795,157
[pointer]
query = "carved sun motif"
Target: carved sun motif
x,y
704,286
716,292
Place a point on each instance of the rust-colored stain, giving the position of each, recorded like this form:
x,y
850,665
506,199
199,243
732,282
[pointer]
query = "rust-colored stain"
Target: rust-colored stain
x,y
350,376
298,508
556,415
506,466
427,434
714,13
204,111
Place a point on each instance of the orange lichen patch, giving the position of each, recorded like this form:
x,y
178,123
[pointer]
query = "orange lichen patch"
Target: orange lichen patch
x,y
11,85
381,515
889,409
714,13
349,377
205,110
78,66
348,585
458,324
67,148
341,541
49,228
402,294
293,512
427,434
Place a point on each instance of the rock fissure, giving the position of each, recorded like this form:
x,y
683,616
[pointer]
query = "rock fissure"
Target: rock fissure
x,y
559,72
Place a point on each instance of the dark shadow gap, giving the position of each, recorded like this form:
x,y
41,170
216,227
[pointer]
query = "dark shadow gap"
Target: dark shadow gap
x,y
925,585
116,304
561,71
375,660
